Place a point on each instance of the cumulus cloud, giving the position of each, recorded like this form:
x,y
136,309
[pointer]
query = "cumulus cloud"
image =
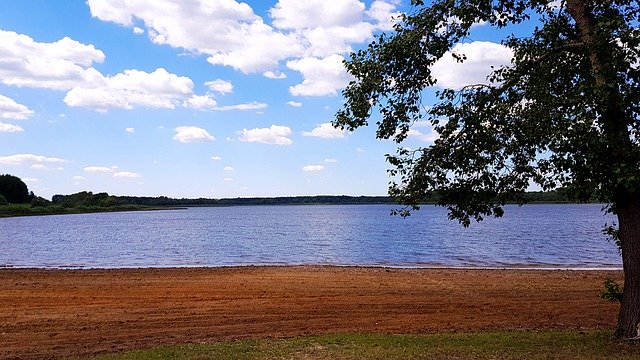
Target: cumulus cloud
x,y
312,168
481,55
295,14
228,32
59,65
101,169
20,159
158,89
216,158
9,109
321,76
10,128
227,179
254,105
274,74
137,30
384,13
130,130
126,175
228,168
191,134
330,161
294,103
274,135
431,137
326,131
220,86
201,102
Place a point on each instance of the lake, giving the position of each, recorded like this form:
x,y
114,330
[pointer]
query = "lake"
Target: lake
x,y
538,236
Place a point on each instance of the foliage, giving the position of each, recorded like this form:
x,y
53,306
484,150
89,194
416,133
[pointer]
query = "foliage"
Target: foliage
x,y
14,189
3,200
611,291
563,345
564,113
39,201
612,231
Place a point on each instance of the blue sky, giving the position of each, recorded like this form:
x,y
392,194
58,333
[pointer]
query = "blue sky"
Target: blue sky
x,y
197,98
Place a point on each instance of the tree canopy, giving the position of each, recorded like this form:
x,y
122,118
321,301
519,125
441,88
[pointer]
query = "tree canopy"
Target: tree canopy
x,y
564,113
14,189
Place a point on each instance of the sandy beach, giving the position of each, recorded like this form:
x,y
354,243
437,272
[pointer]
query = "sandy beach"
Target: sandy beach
x,y
62,313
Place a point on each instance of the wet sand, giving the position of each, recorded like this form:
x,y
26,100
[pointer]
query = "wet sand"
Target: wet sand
x,y
62,313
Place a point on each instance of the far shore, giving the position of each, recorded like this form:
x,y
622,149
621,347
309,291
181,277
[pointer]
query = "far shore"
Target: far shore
x,y
47,313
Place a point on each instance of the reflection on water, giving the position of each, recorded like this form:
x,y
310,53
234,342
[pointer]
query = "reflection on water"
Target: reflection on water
x,y
528,236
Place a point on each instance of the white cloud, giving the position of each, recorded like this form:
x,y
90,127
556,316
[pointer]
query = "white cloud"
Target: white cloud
x,y
295,14
10,128
158,89
274,135
321,76
331,161
126,175
30,180
228,168
20,159
228,32
220,86
9,109
60,65
39,167
481,55
201,102
191,134
326,131
137,30
130,130
78,178
360,150
384,14
254,105
216,158
274,74
312,168
294,103
227,179
100,169
431,137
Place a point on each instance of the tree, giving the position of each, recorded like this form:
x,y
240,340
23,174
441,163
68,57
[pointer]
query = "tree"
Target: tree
x,y
13,189
564,113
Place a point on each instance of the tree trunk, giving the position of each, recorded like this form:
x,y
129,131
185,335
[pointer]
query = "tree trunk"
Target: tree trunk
x,y
629,233
619,152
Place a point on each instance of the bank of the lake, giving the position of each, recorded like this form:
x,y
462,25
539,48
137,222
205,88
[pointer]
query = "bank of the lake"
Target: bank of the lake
x,y
66,313
14,210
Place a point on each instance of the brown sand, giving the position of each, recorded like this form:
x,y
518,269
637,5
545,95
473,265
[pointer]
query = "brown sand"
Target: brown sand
x,y
60,313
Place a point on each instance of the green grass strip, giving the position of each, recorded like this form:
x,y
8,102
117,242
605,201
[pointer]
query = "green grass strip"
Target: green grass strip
x,y
491,345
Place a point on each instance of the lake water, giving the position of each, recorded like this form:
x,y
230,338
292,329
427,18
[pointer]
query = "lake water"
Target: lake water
x,y
565,236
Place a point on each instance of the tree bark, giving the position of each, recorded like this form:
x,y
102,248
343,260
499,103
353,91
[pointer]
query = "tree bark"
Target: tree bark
x,y
619,151
629,234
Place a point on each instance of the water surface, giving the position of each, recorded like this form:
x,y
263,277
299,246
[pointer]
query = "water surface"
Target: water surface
x,y
566,236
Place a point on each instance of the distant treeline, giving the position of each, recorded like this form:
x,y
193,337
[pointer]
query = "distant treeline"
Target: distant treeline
x,y
105,200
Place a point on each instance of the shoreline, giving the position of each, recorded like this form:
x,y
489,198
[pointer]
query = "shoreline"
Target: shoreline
x,y
68,313
382,266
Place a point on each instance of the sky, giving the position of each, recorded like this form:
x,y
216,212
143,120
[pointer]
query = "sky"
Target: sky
x,y
199,98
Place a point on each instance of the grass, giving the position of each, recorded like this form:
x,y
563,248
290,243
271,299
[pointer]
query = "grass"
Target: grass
x,y
11,210
478,346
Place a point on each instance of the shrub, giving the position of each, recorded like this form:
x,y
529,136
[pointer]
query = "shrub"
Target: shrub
x,y
611,291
